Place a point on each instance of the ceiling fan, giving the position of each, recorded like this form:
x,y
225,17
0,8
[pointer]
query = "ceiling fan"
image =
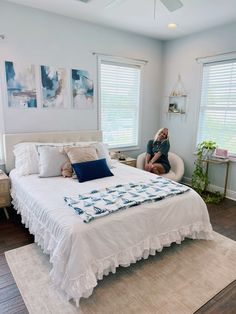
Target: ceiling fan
x,y
171,5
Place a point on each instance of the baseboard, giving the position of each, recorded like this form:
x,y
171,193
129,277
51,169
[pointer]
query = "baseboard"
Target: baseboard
x,y
229,193
186,180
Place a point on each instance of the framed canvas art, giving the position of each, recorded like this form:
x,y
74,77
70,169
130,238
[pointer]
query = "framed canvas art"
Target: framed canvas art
x,y
82,89
53,84
21,85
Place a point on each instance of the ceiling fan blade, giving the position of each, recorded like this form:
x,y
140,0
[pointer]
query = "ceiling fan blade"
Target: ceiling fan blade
x,y
114,3
172,5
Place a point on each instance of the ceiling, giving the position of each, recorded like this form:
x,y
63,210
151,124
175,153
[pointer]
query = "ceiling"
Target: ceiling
x,y
138,15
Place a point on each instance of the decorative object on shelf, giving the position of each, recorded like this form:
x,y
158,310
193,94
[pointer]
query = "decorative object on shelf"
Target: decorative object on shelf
x,y
173,107
114,154
178,89
120,156
177,98
220,153
123,158
117,155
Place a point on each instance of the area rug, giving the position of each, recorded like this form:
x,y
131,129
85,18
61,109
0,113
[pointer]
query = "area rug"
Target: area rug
x,y
178,280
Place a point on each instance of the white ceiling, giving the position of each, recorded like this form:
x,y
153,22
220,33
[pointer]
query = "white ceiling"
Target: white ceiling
x,y
138,15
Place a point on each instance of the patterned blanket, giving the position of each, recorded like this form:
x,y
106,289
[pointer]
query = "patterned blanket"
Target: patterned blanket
x,y
100,203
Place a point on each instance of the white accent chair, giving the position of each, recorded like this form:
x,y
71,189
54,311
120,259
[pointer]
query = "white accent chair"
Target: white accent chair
x,y
177,166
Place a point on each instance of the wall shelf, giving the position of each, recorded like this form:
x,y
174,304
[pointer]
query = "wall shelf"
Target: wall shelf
x,y
177,104
177,99
176,113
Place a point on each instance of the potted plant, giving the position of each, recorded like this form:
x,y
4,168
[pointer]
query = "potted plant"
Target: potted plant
x,y
205,149
199,177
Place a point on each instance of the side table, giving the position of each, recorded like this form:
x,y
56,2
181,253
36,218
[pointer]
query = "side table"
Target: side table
x,y
128,161
5,198
219,161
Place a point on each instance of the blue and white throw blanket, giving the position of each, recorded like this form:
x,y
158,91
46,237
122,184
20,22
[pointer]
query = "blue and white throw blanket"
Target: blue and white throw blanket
x,y
98,203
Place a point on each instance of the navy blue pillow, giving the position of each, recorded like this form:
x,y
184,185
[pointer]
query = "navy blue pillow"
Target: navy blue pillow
x,y
90,170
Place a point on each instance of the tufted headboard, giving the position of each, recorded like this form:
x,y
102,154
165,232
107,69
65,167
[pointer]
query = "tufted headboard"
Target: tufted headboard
x,y
9,140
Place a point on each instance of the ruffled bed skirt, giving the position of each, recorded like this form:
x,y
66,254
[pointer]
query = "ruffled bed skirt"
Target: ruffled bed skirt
x,y
83,285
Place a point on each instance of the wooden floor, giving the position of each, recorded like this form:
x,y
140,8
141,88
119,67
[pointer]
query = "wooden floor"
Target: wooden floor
x,y
13,235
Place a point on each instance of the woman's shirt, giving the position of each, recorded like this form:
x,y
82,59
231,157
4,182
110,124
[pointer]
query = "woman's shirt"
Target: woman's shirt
x,y
160,146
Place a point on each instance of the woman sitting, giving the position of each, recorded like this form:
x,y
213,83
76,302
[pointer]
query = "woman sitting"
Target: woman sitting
x,y
156,159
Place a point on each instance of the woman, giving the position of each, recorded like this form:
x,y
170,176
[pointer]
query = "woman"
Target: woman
x,y
156,159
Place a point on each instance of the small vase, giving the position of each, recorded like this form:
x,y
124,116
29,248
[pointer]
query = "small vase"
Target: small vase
x,y
207,153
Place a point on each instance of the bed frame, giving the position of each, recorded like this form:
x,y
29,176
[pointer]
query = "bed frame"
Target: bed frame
x,y
184,216
9,140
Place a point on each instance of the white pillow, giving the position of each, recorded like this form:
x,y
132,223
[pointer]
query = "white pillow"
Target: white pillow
x,y
27,157
51,159
103,152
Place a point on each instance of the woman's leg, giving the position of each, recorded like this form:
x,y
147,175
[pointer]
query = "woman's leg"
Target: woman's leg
x,y
158,169
148,167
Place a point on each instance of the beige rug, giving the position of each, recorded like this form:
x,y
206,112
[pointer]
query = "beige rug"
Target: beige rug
x,y
178,280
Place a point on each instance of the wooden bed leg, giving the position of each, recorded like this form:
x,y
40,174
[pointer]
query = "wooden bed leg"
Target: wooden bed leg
x,y
6,213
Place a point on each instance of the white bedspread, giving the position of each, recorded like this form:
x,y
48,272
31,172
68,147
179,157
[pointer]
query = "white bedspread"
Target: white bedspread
x,y
82,253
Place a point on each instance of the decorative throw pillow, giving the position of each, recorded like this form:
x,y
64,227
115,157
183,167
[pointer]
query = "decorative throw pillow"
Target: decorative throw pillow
x,y
102,150
81,154
90,170
51,159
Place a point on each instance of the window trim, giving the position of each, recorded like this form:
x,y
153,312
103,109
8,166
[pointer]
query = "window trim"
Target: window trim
x,y
210,61
126,61
226,56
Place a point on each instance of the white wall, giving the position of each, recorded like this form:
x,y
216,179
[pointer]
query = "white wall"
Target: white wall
x,y
179,58
41,38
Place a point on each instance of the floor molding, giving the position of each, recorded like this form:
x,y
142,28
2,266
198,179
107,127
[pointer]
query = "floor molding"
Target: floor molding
x,y
229,193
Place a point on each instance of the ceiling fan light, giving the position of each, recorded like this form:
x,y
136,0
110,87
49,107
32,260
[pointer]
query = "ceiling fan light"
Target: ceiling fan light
x,y
172,25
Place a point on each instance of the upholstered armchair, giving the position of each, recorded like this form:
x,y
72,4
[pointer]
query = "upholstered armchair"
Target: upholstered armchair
x,y
177,166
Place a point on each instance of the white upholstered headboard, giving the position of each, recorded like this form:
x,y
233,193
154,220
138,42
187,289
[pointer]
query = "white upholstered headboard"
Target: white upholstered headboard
x,y
9,140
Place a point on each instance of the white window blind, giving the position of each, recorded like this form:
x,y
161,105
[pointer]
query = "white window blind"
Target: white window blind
x,y
119,103
217,120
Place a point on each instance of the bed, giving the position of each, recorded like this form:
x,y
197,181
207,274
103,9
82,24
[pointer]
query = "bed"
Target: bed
x,y
81,253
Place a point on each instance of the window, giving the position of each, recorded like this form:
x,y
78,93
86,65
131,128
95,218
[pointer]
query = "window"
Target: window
x,y
217,118
119,103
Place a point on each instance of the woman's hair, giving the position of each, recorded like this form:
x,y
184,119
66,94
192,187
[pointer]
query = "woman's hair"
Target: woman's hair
x,y
159,131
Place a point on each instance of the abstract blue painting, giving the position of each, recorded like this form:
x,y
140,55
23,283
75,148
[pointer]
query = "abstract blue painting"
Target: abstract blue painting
x,y
21,86
53,83
82,89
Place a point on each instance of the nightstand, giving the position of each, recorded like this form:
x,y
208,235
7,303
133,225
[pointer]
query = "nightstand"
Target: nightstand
x,y
5,198
129,161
